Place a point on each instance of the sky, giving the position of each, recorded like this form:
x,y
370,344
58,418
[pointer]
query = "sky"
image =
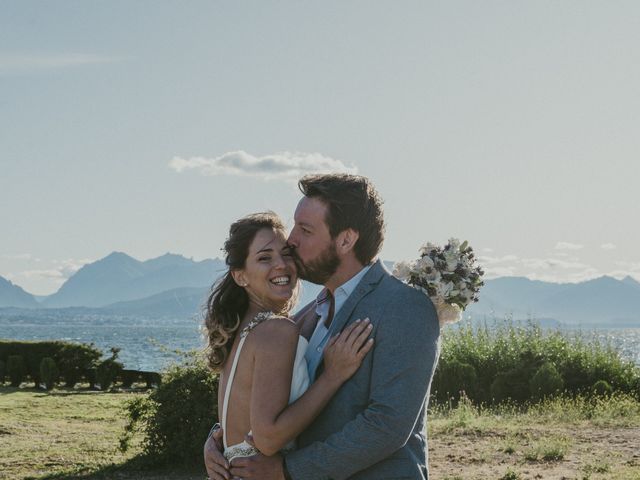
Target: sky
x,y
147,127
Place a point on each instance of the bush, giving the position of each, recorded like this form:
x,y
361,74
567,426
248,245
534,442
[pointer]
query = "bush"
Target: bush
x,y
71,358
506,357
176,417
3,372
602,388
455,379
49,372
108,370
546,381
16,370
128,377
74,359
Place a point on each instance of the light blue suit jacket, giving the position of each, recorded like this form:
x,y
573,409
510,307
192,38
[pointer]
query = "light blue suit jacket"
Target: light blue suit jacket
x,y
374,427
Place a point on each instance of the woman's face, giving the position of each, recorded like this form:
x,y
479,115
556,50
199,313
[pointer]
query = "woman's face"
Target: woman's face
x,y
269,274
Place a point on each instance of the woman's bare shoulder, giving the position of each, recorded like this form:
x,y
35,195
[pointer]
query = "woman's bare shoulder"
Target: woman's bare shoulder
x,y
276,327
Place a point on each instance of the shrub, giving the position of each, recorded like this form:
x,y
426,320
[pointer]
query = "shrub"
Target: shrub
x,y
128,377
3,372
510,385
74,358
16,370
506,356
108,370
546,381
71,358
602,388
456,378
176,417
49,372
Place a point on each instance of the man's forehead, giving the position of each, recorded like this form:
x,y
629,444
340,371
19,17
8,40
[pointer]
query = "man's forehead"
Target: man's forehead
x,y
310,209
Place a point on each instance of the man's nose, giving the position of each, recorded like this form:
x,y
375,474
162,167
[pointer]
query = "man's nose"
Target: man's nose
x,y
292,241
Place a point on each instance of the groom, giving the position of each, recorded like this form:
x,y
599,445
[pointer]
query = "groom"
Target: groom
x,y
374,427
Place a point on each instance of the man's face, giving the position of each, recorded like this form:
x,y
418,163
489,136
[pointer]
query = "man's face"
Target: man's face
x,y
313,248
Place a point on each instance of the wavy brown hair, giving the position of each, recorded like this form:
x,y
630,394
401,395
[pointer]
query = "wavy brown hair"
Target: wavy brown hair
x,y
228,302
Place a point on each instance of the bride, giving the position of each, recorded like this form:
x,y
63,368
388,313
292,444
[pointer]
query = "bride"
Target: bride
x,y
258,351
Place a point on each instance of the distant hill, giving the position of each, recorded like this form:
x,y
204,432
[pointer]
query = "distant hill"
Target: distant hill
x,y
119,278
186,302
174,302
177,286
13,296
604,301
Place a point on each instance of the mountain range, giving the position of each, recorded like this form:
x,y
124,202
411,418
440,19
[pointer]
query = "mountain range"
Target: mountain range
x,y
172,285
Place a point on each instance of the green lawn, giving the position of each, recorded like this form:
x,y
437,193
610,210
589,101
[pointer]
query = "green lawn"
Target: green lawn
x,y
67,434
74,434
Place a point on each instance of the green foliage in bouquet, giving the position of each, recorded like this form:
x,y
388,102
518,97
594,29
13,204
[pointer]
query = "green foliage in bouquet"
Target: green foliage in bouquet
x,y
49,372
16,370
108,370
546,382
175,418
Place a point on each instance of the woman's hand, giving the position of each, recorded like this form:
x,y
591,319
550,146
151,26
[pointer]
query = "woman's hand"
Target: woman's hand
x,y
344,352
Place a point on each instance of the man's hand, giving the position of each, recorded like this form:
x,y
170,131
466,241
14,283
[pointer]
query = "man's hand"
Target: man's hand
x,y
258,467
217,466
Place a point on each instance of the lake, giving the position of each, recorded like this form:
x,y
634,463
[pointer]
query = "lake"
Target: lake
x,y
149,343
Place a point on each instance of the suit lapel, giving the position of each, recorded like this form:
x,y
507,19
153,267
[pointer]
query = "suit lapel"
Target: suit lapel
x,y
368,283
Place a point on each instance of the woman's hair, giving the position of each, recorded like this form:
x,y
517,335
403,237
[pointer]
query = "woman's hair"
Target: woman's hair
x,y
228,302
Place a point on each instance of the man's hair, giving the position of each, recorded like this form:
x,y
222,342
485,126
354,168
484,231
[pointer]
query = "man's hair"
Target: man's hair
x,y
352,202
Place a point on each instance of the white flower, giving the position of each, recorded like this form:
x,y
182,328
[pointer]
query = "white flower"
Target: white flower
x,y
434,276
425,263
452,264
402,270
428,248
455,244
445,289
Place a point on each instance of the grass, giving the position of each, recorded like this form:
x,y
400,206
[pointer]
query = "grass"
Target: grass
x,y
66,434
577,438
73,434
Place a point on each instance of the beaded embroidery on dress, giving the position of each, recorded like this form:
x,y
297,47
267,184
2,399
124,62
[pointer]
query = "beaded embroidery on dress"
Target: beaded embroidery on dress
x,y
299,384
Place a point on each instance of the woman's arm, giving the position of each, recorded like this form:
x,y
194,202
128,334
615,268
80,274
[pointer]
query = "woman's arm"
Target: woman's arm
x,y
273,422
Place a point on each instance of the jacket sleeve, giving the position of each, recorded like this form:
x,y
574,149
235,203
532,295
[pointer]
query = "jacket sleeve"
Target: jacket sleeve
x,y
404,358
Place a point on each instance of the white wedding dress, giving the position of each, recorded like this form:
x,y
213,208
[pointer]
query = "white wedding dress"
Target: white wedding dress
x,y
299,384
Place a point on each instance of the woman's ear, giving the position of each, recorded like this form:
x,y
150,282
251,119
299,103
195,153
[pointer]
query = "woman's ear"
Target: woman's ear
x,y
239,277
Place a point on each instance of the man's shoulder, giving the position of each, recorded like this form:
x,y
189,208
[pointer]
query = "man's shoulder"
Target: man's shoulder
x,y
392,286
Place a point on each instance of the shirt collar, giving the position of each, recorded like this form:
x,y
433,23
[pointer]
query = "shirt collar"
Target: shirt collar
x,y
343,291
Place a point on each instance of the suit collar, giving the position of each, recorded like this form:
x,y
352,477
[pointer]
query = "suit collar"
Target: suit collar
x,y
368,283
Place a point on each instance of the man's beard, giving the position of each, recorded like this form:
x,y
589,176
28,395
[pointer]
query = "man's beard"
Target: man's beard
x,y
321,269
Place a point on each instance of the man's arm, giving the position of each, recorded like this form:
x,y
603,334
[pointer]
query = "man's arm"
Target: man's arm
x,y
404,360
215,463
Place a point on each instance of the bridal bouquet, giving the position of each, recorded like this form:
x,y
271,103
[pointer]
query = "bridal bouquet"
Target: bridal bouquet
x,y
449,275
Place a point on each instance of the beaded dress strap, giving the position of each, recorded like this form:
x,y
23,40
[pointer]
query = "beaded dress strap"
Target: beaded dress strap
x,y
257,320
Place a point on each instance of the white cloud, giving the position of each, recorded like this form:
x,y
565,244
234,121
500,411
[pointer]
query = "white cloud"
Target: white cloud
x,y
20,62
568,246
42,274
63,269
288,166
608,246
17,256
494,271
588,273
